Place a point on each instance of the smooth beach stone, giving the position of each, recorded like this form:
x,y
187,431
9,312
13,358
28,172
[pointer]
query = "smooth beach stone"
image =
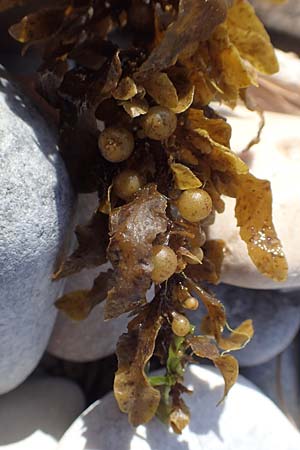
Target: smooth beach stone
x,y
36,414
284,18
36,201
275,316
277,159
246,420
289,69
280,92
89,339
92,338
279,379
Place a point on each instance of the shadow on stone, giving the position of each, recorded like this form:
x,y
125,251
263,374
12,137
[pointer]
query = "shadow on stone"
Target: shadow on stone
x,y
103,427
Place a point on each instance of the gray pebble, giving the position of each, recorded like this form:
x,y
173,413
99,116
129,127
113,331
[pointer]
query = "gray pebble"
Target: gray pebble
x,y
275,315
279,379
36,414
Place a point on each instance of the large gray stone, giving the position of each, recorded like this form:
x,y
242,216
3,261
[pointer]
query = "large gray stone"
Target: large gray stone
x,y
246,420
284,18
92,338
275,315
35,211
279,379
36,414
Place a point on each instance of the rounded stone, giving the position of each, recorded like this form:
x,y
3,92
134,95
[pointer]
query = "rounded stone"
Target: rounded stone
x,y
280,92
279,379
289,70
89,339
246,420
275,316
36,414
35,211
277,159
92,338
284,18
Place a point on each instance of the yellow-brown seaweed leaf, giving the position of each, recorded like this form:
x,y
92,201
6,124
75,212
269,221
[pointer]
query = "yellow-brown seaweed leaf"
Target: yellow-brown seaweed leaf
x,y
203,347
195,22
133,392
249,36
238,338
133,228
229,368
184,177
78,304
254,217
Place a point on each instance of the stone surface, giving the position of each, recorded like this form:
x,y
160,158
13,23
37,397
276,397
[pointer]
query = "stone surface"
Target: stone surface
x,y
280,92
20,66
35,211
289,69
92,338
36,414
285,17
275,315
279,379
246,420
276,158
